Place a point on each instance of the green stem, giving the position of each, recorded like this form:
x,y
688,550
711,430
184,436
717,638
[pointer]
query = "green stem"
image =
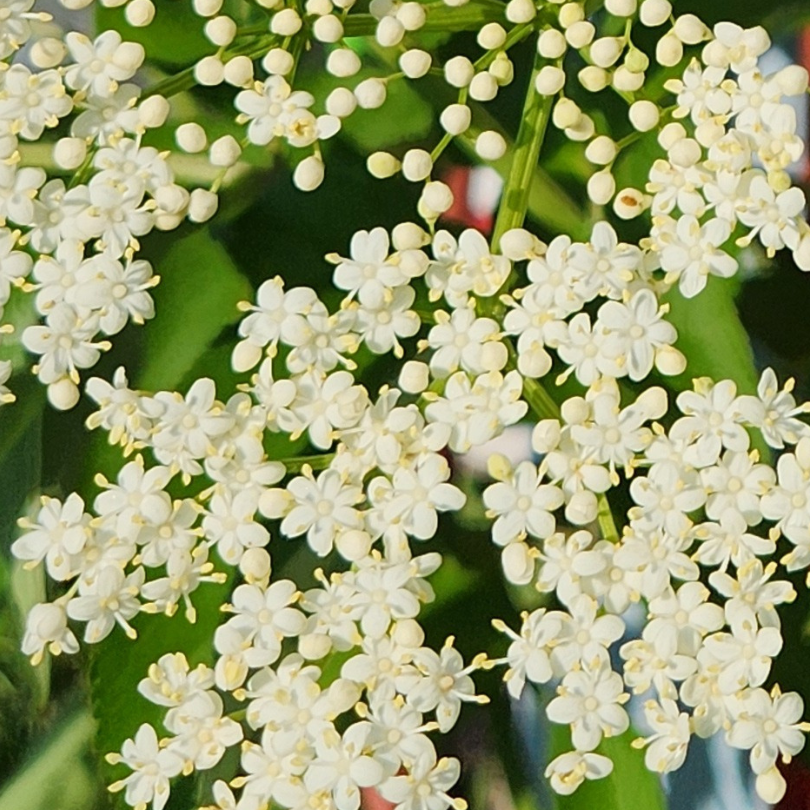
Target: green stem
x,y
533,123
296,464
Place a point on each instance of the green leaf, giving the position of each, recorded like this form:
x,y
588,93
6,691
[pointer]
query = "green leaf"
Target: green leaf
x,y
56,776
712,337
119,664
175,36
630,786
404,117
195,300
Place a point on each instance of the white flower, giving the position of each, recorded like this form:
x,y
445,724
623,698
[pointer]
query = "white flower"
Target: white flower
x,y
774,411
322,507
110,598
385,315
426,784
590,701
568,771
230,525
768,725
753,590
462,340
58,536
171,683
522,505
744,655
528,654
100,65
774,218
46,627
343,765
152,767
736,483
584,637
667,746
635,332
29,102
202,732
695,254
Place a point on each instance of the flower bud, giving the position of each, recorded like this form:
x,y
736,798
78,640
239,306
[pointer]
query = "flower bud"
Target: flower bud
x,y
655,12
75,5
409,236
207,8
644,115
353,544
583,130
48,52
327,28
518,563
792,80
412,15
370,93
414,377
343,62
571,13
139,13
437,196
458,71
566,113
69,153
190,137
669,361
455,118
408,633
318,8
669,50
390,32
491,36
63,394
629,203
690,29
341,102
670,135
416,165
171,198
502,70
551,44
626,81
202,205
308,174
771,786
518,244
382,165
314,646
601,187
636,61
601,150
255,565
606,50
582,508
286,23
549,80
415,63
483,87
154,111
245,356
490,145
546,436
279,62
621,8
224,152
220,31
239,71
593,78
520,11
580,34
209,71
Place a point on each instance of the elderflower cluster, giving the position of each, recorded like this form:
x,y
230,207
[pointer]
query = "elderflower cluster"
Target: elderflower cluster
x,y
481,332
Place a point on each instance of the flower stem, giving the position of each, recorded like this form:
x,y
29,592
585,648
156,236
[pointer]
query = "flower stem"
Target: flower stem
x,y
532,130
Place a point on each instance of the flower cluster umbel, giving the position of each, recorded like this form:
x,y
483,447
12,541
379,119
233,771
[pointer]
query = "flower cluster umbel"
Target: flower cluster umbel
x,y
477,354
